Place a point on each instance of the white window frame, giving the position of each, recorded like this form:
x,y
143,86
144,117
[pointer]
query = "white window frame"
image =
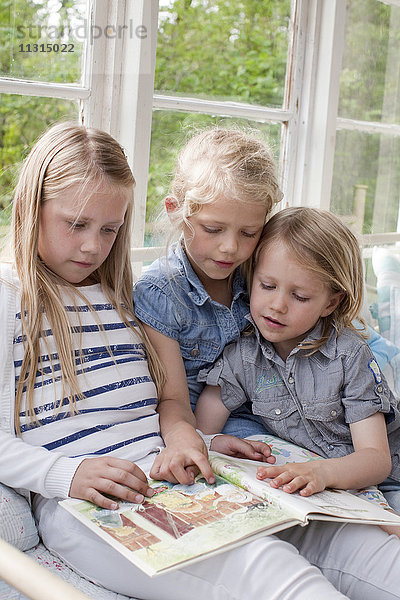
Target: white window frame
x,y
117,95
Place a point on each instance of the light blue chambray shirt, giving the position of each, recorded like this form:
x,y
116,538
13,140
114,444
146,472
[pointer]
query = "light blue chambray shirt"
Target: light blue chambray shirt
x,y
309,400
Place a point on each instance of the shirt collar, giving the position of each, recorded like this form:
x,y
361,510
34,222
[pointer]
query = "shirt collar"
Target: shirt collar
x,y
197,292
328,349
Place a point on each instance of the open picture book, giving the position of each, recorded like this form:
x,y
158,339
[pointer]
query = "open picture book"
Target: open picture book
x,y
182,524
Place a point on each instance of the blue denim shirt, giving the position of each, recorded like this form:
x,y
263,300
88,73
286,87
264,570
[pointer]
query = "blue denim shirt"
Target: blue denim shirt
x,y
171,298
309,400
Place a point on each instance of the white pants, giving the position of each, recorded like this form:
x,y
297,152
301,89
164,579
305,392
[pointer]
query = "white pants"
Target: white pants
x,y
355,561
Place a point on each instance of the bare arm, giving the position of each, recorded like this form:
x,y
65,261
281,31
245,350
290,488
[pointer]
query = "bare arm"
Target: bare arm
x,y
369,464
211,414
185,451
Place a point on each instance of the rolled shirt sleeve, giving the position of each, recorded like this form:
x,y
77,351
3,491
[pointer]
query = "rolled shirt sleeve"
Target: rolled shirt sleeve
x,y
228,373
157,308
365,390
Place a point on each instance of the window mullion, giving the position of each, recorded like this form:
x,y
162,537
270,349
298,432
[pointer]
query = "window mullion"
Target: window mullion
x,y
40,88
295,101
220,108
122,81
318,101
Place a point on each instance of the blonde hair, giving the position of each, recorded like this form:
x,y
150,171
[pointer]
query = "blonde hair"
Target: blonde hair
x,y
320,242
223,163
68,155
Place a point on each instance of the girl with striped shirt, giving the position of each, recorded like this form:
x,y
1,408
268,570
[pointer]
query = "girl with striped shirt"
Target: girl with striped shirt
x,y
79,387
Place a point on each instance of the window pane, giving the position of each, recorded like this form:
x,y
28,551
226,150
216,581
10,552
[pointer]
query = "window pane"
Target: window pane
x,y
43,41
224,49
23,119
170,131
366,181
369,87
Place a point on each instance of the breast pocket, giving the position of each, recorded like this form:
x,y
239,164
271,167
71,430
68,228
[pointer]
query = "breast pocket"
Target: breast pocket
x,y
198,353
277,411
327,415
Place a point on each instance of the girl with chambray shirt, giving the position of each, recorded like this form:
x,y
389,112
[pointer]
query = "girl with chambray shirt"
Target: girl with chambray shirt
x,y
307,371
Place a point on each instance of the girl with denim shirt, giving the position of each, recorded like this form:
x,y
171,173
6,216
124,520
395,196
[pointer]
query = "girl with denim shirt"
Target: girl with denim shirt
x,y
306,369
194,300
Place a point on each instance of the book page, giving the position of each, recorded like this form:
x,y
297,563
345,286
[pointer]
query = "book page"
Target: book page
x,y
334,503
285,452
181,524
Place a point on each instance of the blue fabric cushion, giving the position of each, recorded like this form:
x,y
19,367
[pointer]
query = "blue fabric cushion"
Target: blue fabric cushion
x,y
17,525
386,265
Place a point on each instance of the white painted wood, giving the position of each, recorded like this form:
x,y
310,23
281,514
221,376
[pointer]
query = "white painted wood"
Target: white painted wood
x,y
319,101
122,84
100,67
296,99
144,254
378,239
133,127
48,90
34,581
368,126
391,2
221,108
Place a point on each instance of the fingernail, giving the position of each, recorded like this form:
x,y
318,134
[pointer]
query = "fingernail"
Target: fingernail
x,y
139,498
114,506
151,492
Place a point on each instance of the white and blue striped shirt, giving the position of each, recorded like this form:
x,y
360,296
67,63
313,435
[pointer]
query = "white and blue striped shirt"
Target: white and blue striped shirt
x,y
118,412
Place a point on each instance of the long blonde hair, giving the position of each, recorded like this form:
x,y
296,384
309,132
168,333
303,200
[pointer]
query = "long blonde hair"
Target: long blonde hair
x,y
68,155
320,242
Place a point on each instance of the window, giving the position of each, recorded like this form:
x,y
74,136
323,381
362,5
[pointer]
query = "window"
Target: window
x,y
219,62
42,58
366,177
319,78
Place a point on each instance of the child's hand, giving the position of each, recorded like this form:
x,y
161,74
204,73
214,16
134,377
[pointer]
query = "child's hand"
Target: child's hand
x,y
307,478
107,475
183,457
233,446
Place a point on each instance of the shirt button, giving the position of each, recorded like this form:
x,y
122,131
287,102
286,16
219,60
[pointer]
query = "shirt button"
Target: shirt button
x,y
379,389
291,379
333,413
330,447
278,411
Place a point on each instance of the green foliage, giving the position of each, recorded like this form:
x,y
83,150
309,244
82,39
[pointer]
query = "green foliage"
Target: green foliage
x,y
224,49
170,132
24,118
369,91
364,61
29,22
220,49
